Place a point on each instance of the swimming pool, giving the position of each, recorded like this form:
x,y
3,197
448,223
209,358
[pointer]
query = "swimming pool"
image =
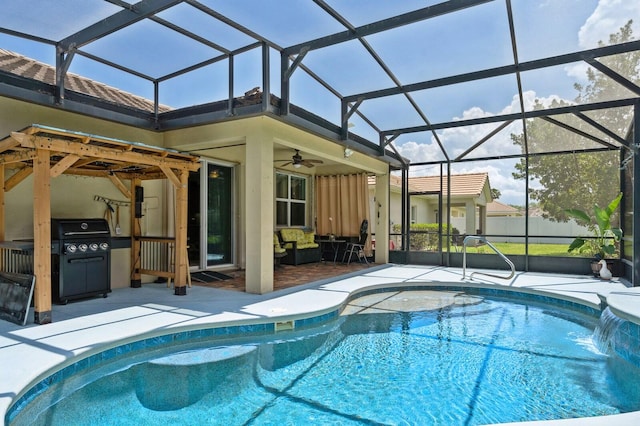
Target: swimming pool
x,y
399,357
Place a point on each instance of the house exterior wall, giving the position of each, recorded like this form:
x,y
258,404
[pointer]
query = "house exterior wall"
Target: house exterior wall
x,y
74,196
245,139
426,211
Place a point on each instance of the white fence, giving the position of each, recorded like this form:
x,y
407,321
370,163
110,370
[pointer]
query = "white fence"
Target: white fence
x,y
515,226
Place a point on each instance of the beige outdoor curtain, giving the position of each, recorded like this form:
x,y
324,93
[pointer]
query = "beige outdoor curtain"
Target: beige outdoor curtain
x,y
342,204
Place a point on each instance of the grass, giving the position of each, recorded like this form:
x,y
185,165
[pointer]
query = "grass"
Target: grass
x,y
534,249
519,248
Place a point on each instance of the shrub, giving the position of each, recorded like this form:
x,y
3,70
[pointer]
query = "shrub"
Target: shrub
x,y
424,236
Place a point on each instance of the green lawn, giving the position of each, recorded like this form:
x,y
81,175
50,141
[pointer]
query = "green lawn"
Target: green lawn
x,y
518,248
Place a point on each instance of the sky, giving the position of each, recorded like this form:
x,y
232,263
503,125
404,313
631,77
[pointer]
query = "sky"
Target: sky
x,y
604,17
461,42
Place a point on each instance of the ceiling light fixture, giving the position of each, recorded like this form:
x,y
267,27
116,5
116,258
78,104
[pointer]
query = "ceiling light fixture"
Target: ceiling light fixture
x,y
297,165
348,152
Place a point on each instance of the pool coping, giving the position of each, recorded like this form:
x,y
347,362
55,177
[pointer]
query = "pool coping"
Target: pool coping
x,y
76,338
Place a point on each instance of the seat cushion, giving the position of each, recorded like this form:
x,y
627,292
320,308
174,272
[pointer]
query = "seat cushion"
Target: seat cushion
x,y
291,234
277,248
303,239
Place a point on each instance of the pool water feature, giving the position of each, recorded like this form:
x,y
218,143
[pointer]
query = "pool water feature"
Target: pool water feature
x,y
399,357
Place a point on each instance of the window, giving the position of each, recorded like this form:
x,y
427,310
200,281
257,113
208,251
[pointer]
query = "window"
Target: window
x,y
291,200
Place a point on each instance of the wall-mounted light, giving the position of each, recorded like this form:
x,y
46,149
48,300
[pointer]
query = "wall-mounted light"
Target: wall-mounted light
x,y
348,152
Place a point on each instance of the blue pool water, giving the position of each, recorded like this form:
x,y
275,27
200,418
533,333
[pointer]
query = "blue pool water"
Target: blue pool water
x,y
398,358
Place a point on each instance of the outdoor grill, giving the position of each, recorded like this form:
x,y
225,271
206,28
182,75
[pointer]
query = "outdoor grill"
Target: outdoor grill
x,y
81,267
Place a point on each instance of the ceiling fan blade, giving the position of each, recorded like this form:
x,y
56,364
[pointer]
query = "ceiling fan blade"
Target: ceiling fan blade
x,y
285,164
307,163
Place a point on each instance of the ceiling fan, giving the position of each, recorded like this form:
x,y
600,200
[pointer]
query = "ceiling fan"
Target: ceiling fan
x,y
298,161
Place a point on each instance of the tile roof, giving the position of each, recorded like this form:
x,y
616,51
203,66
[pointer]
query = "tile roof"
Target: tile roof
x,y
22,66
498,207
461,184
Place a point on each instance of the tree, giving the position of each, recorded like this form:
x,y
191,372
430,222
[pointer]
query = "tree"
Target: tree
x,y
580,179
495,193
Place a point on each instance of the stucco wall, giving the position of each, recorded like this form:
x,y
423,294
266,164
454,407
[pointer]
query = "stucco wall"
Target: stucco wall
x,y
73,196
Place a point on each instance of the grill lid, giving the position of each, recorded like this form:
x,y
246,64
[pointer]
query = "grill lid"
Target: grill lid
x,y
73,228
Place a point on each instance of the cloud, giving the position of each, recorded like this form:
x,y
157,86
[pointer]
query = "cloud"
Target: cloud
x,y
457,140
607,18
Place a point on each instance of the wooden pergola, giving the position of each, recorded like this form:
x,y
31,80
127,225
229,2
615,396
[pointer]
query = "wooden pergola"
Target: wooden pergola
x,y
48,152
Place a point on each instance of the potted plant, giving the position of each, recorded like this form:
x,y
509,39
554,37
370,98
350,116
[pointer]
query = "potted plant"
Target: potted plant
x,y
603,245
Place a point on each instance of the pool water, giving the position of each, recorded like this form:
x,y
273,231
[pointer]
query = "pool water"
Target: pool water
x,y
396,358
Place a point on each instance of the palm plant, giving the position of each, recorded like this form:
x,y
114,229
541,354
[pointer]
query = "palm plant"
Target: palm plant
x,y
604,243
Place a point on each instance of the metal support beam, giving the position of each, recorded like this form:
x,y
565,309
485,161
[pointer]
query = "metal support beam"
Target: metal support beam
x,y
484,139
388,24
579,132
347,112
156,104
636,196
117,21
601,128
295,63
499,71
618,78
231,84
266,77
387,141
63,61
570,109
285,94
406,210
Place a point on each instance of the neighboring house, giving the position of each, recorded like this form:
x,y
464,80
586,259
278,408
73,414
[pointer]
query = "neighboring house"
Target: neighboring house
x,y
470,194
498,209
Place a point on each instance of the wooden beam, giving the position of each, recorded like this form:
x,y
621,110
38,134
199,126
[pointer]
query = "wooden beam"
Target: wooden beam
x,y
63,165
2,215
8,143
121,186
136,244
42,237
171,176
18,177
17,157
63,146
86,161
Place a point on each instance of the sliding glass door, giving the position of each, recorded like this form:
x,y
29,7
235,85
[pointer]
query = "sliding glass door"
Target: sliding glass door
x,y
211,206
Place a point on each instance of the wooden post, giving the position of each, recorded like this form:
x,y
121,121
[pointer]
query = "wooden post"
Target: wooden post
x,y
181,261
136,258
2,214
42,236
2,217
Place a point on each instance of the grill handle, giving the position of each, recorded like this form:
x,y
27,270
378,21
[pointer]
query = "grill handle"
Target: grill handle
x,y
87,259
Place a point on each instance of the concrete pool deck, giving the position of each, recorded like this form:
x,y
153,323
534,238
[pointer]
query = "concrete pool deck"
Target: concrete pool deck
x,y
32,352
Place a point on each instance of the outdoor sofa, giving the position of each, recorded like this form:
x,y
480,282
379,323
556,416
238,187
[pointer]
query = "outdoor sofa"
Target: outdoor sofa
x,y
300,245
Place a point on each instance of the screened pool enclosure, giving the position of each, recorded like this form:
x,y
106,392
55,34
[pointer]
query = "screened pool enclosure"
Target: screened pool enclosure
x,y
542,96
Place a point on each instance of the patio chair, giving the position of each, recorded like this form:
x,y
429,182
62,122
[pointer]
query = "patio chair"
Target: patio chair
x,y
358,247
458,240
278,251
